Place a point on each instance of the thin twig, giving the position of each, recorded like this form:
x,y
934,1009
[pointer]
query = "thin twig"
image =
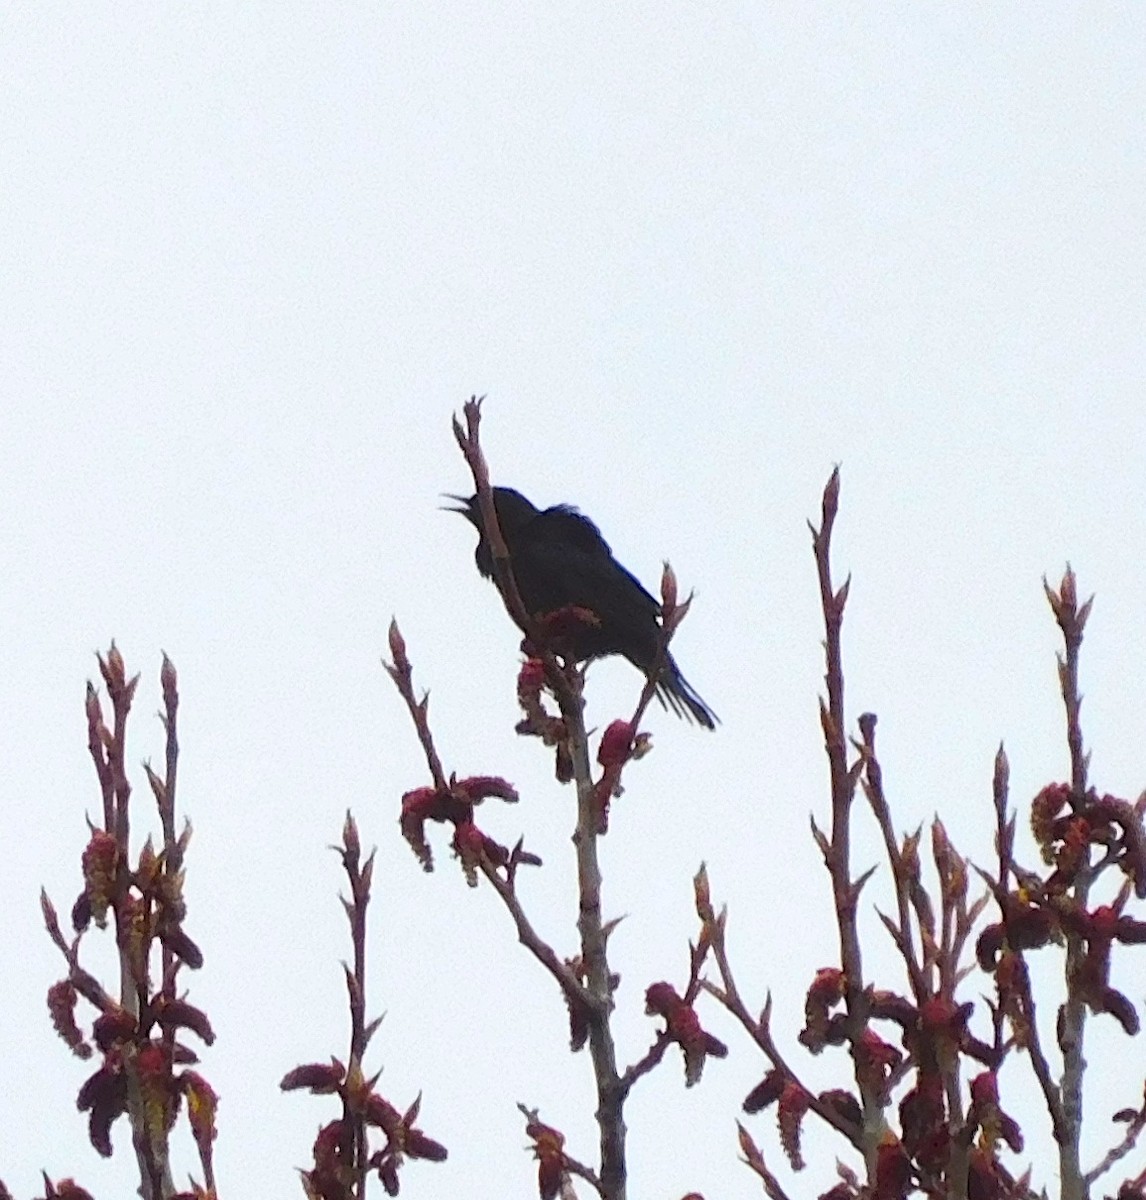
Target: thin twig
x,y
1039,1063
569,1165
873,790
646,1062
844,892
755,1160
469,442
761,1033
663,1041
1119,1152
529,937
402,673
359,878
1071,620
594,957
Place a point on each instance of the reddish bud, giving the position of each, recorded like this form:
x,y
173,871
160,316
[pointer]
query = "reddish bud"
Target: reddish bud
x,y
1130,931
417,808
328,1148
578,1023
549,1150
1068,590
793,1104
766,1092
923,1121
113,1028
892,1169
157,1087
169,682
537,722
470,844
68,1189
476,788
661,998
831,498
383,1114
616,744
398,648
567,623
100,861
113,670
94,712
942,1030
876,1060
202,1105
890,1006
183,947
81,912
317,1078
62,998
1110,810
388,1175
683,1026
103,1096
351,843
1119,1006
668,591
531,677
179,1014
418,1145
950,865
703,896
1045,809
828,988
844,1104
985,1089
986,1115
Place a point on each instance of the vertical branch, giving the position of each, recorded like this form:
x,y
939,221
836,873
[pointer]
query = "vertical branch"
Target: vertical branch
x,y
121,693
164,792
469,441
594,957
98,737
169,681
1071,618
133,929
342,1155
1004,820
873,789
594,952
173,848
354,1128
135,918
843,781
1005,845
1072,621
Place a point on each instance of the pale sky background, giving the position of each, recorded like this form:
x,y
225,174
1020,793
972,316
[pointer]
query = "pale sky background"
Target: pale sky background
x,y
253,256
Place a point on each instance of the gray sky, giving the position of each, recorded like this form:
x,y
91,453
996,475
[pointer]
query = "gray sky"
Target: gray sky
x,y
255,255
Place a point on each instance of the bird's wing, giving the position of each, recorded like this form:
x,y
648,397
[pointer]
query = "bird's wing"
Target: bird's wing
x,y
564,524
560,559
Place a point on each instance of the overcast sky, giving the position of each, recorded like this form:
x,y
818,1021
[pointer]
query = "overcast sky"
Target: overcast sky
x,y
255,255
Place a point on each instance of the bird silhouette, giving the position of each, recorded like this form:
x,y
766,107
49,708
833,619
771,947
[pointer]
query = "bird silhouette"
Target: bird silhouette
x,y
561,561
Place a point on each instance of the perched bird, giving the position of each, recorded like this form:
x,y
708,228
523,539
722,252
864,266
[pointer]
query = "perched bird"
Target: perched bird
x,y
560,560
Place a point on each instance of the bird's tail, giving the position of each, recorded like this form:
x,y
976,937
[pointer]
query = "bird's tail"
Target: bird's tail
x,y
676,693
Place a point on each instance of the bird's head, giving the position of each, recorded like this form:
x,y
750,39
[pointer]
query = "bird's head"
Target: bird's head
x,y
513,510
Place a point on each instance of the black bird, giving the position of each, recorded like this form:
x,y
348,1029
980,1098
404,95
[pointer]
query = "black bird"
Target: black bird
x,y
560,560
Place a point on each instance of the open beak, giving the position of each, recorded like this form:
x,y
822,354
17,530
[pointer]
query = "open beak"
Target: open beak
x,y
463,501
